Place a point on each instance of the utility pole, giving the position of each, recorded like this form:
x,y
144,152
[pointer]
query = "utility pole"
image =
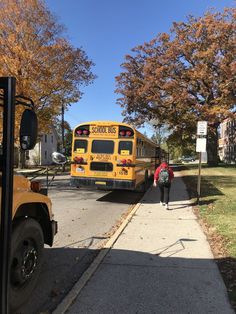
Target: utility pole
x,y
63,133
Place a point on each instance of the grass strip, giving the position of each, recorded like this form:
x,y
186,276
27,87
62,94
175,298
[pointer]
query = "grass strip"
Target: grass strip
x,y
217,214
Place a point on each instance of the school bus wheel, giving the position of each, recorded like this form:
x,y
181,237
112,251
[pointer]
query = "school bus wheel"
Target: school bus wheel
x,y
26,255
146,181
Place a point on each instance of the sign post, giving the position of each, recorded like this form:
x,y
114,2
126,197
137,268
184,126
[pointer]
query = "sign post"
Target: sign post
x,y
200,148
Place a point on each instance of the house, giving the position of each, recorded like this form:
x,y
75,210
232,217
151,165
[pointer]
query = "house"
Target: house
x,y
41,154
227,141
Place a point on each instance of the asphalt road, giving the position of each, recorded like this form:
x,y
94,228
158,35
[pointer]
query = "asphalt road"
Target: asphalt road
x,y
86,219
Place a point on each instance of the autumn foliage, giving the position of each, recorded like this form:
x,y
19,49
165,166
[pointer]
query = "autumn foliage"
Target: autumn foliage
x,y
184,76
33,49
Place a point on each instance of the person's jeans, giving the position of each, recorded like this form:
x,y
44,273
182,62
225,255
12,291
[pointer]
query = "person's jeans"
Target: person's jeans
x,y
165,192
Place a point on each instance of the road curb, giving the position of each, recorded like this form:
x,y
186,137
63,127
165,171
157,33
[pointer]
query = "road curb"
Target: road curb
x,y
76,289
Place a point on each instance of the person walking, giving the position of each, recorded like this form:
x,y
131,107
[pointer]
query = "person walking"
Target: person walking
x,y
164,175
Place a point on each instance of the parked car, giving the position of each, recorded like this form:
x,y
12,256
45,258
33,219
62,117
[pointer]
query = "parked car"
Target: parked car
x,y
188,159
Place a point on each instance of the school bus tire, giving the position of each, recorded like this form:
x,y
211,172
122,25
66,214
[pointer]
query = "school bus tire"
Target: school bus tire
x,y
26,256
142,188
146,181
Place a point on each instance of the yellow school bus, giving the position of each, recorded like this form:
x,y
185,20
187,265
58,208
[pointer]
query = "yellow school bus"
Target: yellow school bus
x,y
112,155
32,224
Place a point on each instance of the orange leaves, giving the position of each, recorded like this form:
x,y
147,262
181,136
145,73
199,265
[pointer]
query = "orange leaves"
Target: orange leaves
x,y
164,37
33,49
190,73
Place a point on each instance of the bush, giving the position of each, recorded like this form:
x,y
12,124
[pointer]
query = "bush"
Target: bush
x,y
177,161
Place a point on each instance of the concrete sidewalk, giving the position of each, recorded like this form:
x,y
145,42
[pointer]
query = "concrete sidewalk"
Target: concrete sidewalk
x,y
161,263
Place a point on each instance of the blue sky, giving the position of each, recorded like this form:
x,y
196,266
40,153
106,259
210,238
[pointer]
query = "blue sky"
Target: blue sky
x,y
107,30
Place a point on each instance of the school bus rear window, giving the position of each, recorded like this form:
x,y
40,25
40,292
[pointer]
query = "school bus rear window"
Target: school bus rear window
x,y
80,146
102,147
125,146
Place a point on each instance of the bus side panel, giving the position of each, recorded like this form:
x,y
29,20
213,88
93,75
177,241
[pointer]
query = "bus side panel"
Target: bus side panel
x,y
144,165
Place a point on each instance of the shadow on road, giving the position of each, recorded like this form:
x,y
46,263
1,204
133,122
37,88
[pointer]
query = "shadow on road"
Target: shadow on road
x,y
121,197
61,269
143,277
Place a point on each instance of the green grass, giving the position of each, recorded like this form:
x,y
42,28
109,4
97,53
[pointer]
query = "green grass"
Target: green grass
x,y
217,210
218,199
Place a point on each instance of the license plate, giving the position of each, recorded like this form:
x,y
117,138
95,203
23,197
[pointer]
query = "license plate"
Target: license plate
x,y
100,182
100,174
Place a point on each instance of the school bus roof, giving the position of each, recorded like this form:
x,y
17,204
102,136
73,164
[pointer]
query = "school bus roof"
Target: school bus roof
x,y
107,122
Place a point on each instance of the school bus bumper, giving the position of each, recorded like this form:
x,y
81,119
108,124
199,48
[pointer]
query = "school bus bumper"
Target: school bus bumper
x,y
104,183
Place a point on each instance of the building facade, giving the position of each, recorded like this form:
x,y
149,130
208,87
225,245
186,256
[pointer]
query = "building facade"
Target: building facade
x,y
42,152
227,141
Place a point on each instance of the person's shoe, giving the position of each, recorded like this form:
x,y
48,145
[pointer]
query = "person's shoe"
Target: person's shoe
x,y
167,206
161,203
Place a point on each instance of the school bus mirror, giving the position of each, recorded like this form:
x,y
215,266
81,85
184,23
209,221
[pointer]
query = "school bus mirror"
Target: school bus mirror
x,y
59,158
28,129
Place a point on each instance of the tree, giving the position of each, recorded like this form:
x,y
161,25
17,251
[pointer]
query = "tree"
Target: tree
x,y
184,76
181,146
47,67
68,142
68,132
160,132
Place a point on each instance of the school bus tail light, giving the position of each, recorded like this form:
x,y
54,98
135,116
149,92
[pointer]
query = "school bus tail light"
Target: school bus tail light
x,y
85,132
79,160
128,133
125,131
125,162
82,131
35,186
79,132
122,133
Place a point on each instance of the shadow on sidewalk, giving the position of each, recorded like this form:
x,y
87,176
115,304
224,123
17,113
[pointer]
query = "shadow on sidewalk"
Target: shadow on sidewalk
x,y
178,193
131,280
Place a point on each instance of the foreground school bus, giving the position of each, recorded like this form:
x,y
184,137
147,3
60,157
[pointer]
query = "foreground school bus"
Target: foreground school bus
x,y
32,217
32,226
112,155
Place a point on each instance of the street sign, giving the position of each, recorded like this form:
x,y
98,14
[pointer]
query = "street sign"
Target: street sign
x,y
202,128
200,148
201,145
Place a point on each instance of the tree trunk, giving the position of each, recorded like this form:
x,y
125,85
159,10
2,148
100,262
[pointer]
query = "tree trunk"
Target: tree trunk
x,y
212,147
